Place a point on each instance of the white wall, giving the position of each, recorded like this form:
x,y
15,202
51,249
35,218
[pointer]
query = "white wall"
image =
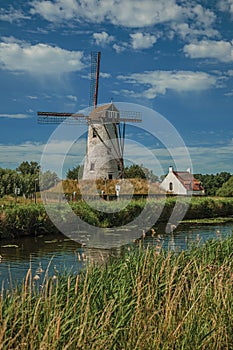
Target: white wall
x,y
105,162
178,188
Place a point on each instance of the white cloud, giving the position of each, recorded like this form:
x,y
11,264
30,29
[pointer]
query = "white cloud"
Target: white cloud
x,y
12,40
195,21
12,155
159,82
40,59
72,98
32,97
229,94
226,5
11,15
133,14
220,50
102,38
212,159
203,17
105,75
187,31
119,12
125,92
128,13
15,116
142,41
120,48
57,11
205,159
102,75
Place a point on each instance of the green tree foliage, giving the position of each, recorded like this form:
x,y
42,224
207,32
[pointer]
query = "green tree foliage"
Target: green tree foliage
x,y
29,173
139,171
47,180
28,168
227,188
9,180
26,179
212,183
132,171
75,173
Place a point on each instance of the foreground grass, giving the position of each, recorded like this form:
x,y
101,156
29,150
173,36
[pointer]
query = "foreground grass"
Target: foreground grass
x,y
145,300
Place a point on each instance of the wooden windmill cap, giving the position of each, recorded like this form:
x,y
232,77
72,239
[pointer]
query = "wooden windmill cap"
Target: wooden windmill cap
x,y
105,111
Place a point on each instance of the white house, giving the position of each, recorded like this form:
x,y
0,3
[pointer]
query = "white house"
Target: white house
x,y
181,183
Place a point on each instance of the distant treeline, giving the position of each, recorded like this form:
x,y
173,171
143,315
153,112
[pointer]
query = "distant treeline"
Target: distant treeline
x,y
220,184
24,180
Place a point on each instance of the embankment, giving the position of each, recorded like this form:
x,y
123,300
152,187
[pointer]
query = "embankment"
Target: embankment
x,y
32,219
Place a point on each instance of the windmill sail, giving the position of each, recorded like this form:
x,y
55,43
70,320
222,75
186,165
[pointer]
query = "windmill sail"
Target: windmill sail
x,y
106,130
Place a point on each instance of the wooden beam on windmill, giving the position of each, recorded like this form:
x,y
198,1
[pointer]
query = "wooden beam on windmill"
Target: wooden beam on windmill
x,y
94,87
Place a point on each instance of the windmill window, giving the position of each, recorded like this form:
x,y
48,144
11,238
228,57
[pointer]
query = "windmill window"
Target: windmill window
x,y
92,167
112,114
170,186
94,133
110,176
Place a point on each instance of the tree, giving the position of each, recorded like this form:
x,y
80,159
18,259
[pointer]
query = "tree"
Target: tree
x,y
139,171
28,168
75,173
47,180
29,173
9,180
227,188
211,182
29,183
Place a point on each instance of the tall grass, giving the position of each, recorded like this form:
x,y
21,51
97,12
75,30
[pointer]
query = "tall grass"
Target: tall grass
x,y
145,300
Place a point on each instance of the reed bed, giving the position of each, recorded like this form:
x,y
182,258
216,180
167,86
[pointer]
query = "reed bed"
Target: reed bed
x,y
147,299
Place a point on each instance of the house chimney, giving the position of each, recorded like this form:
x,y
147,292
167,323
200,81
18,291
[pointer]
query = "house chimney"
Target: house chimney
x,y
189,170
170,169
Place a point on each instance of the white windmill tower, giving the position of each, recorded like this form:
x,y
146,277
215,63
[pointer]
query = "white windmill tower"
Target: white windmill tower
x,y
104,156
106,131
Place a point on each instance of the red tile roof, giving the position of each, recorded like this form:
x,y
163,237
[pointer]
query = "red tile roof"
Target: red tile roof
x,y
188,181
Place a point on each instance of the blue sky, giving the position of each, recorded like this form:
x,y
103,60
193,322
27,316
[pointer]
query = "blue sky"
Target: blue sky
x,y
172,56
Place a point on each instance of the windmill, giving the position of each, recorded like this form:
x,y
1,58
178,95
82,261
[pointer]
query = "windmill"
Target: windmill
x,y
106,131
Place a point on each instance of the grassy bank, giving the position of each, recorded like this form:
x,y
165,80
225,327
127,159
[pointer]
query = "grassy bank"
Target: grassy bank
x,y
145,300
32,219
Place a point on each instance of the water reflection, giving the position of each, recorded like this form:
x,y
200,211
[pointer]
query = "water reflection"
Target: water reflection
x,y
186,236
55,254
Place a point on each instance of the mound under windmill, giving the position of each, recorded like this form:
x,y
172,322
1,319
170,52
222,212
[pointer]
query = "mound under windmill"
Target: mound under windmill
x,y
106,131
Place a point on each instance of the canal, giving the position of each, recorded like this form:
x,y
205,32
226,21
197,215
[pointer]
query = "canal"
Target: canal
x,y
52,255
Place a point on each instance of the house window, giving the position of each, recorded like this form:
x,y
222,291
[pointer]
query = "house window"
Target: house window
x,y
94,133
92,167
170,186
